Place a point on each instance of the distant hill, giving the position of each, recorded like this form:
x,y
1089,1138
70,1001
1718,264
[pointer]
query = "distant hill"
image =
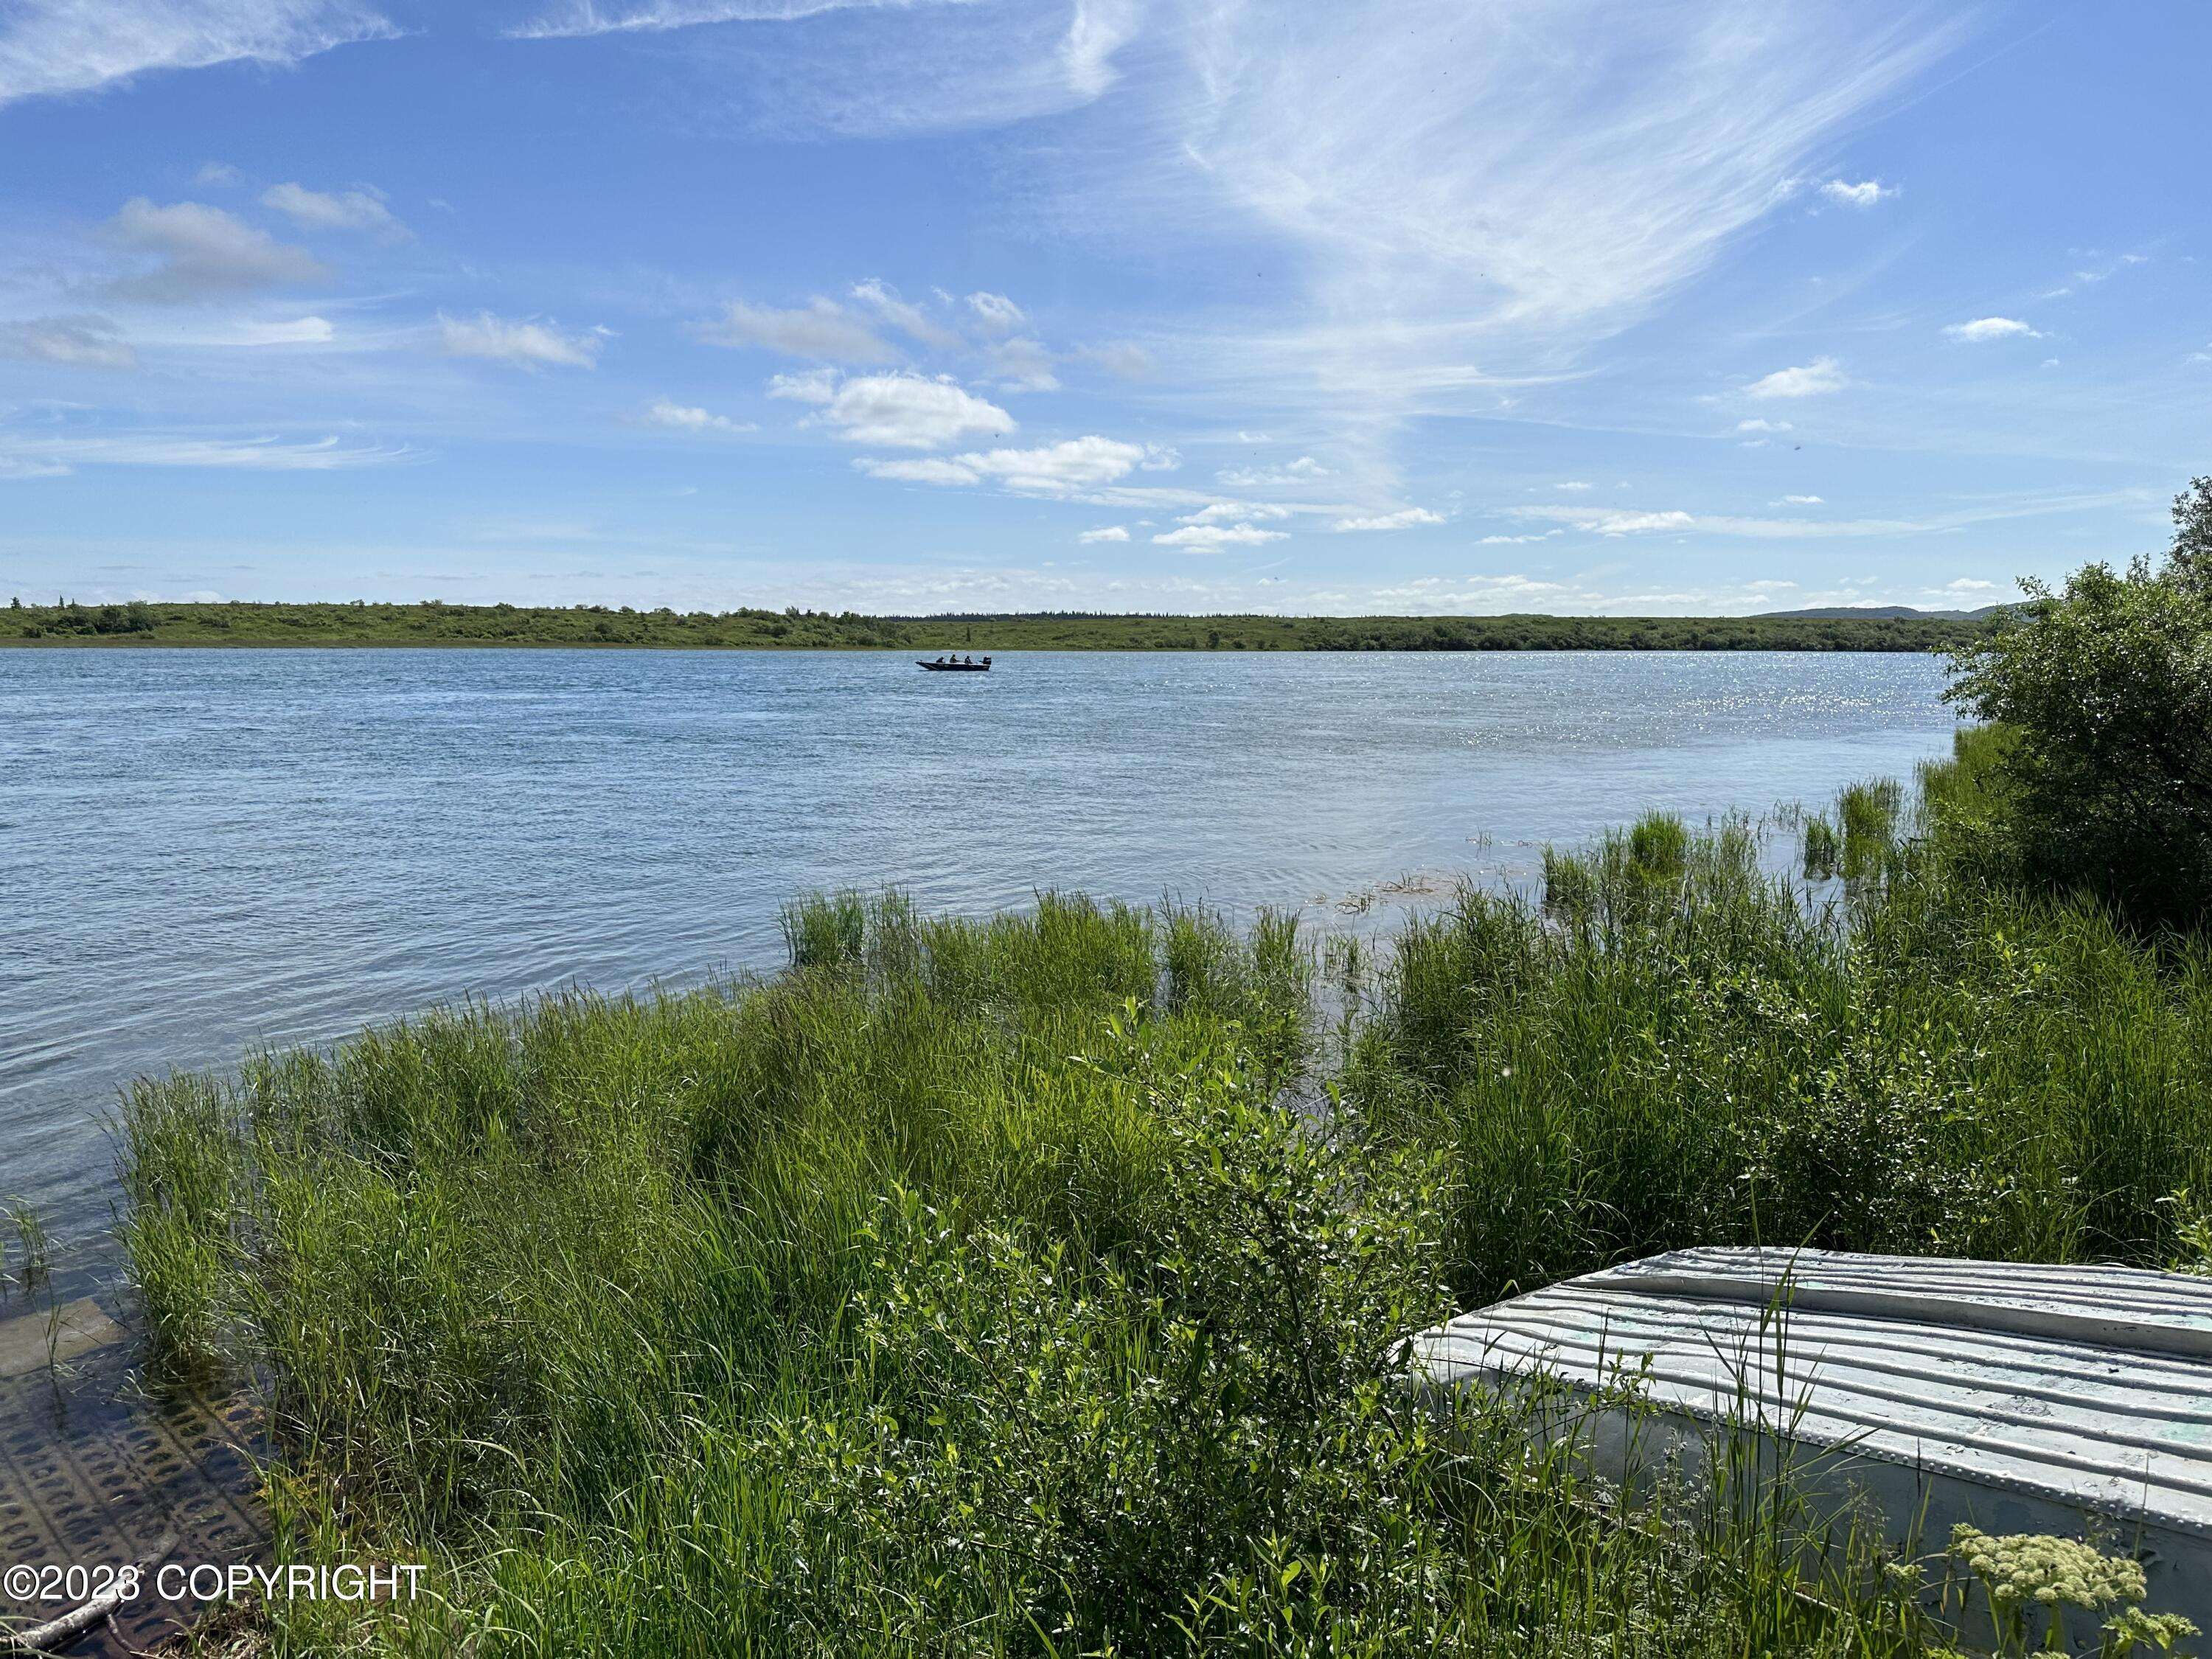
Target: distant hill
x,y
1879,612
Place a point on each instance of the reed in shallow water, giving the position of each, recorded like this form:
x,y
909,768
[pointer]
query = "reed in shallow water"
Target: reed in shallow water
x,y
968,1289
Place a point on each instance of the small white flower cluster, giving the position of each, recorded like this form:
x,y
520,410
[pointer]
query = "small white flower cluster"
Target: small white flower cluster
x,y
2054,1572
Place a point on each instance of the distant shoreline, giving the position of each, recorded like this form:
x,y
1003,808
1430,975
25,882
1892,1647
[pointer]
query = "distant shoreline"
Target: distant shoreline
x,y
373,627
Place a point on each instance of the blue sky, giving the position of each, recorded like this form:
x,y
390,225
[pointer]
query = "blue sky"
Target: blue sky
x,y
1580,305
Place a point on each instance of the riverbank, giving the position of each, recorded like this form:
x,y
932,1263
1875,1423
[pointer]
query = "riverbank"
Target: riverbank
x,y
142,624
966,1288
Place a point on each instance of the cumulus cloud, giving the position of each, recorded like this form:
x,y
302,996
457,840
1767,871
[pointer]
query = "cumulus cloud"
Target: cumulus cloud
x,y
1405,518
1991,328
1864,194
816,386
1235,511
345,209
1112,532
529,344
218,175
202,252
671,415
1301,470
822,328
997,313
1574,484
79,341
1022,365
907,411
1763,425
1213,537
49,46
1801,500
1070,467
1812,379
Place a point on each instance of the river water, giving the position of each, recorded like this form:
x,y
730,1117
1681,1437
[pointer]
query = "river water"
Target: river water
x,y
204,851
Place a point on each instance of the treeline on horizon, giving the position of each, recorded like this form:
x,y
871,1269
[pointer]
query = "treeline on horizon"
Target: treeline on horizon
x,y
433,623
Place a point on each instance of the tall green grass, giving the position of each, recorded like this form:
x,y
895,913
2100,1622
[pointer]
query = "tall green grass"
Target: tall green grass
x,y
1917,1061
972,1288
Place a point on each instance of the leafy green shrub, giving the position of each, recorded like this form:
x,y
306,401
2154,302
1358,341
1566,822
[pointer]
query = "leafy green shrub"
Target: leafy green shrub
x,y
2107,689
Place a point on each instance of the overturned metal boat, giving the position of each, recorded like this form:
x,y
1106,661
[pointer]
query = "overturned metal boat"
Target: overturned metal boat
x,y
2074,1400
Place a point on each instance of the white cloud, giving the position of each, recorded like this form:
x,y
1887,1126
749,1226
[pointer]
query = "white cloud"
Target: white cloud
x,y
998,312
1516,541
218,175
906,411
81,342
1404,519
909,319
1097,30
822,328
579,18
1991,328
1022,365
1801,500
348,210
933,471
1235,511
531,345
1763,426
45,457
1070,467
1864,194
1812,379
1301,470
667,413
1112,532
1574,484
1213,537
49,46
816,386
203,252
1581,161
1969,585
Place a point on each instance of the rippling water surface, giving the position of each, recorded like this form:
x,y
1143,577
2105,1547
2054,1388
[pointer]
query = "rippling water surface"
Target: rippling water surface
x,y
204,851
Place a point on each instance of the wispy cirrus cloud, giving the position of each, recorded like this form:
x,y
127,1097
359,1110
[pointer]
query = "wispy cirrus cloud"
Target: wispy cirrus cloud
x,y
53,457
57,46
582,18
1582,160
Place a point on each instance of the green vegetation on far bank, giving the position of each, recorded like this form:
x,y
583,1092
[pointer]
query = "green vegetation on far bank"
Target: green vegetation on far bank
x,y
432,624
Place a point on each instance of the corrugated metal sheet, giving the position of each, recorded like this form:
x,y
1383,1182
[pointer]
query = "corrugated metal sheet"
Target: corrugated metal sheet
x,y
2021,1398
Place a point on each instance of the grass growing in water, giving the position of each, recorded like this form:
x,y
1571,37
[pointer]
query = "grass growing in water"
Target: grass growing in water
x,y
968,1290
